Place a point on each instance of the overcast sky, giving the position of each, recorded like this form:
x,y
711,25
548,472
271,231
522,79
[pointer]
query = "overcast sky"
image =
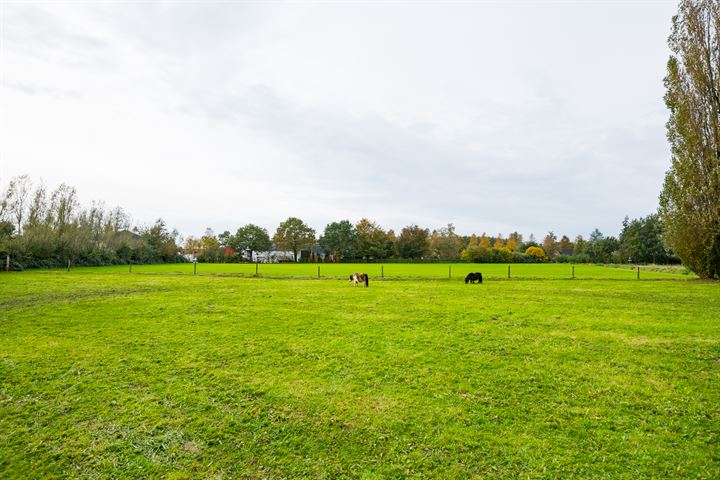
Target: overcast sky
x,y
495,116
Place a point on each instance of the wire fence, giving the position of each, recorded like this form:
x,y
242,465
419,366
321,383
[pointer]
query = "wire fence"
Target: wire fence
x,y
400,271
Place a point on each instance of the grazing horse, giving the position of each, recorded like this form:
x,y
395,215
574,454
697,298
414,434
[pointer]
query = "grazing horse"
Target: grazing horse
x,y
473,277
360,278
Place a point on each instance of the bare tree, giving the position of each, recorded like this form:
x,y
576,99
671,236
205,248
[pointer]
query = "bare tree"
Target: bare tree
x,y
17,199
4,203
63,204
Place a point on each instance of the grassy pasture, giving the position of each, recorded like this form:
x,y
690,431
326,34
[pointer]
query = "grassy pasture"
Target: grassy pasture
x,y
177,376
403,271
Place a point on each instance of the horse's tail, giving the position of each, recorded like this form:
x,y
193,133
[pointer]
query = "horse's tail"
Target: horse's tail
x,y
480,277
367,279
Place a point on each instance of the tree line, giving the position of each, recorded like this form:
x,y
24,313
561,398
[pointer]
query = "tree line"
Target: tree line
x,y
41,228
640,241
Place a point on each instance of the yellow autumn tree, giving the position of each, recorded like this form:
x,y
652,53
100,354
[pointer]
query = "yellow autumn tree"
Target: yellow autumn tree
x,y
484,241
538,253
499,243
516,237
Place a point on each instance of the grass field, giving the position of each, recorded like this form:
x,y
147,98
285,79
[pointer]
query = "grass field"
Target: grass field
x,y
404,271
107,374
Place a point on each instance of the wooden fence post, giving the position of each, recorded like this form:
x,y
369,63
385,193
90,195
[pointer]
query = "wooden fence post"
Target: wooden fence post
x,y
573,272
130,267
68,267
194,267
7,263
638,272
508,271
318,271
449,271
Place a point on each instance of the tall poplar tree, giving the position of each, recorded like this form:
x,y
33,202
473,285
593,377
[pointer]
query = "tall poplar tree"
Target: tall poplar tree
x,y
690,199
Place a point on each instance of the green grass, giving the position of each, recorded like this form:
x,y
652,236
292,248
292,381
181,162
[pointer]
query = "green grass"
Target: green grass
x,y
179,376
404,271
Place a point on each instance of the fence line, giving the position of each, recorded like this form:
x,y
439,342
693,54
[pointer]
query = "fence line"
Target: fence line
x,y
397,271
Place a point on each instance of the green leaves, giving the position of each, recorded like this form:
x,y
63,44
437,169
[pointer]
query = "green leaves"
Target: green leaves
x,y
690,200
293,234
339,239
251,238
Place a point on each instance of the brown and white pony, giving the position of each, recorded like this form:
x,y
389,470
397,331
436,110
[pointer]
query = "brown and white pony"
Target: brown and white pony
x,y
360,278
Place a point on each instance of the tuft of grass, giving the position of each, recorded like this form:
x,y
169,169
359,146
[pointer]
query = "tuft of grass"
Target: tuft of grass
x,y
179,376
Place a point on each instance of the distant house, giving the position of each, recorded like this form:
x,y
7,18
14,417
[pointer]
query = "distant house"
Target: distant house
x,y
283,256
273,256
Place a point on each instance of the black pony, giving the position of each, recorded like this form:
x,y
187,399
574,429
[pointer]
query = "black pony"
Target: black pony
x,y
473,277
